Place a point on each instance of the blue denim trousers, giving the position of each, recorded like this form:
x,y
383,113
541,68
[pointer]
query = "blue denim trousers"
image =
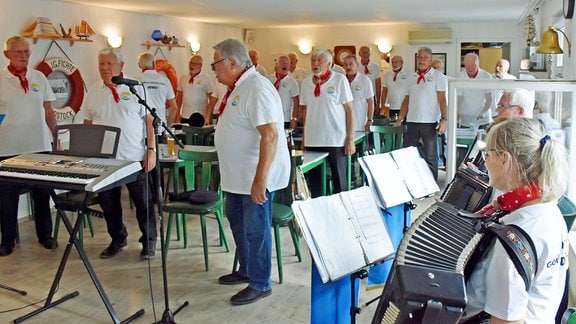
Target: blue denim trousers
x,y
251,226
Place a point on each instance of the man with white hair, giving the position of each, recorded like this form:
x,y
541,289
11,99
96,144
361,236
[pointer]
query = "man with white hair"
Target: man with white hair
x,y
516,103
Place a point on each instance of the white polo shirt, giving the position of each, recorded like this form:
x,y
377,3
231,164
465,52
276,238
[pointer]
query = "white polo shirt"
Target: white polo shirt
x,y
24,129
495,285
158,91
325,115
362,90
398,89
288,89
195,96
373,73
127,114
471,102
423,105
252,103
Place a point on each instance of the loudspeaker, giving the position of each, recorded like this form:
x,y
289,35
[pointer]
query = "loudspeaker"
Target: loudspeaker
x,y
249,35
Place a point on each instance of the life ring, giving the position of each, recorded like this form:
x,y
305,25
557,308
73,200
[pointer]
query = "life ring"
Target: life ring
x,y
60,64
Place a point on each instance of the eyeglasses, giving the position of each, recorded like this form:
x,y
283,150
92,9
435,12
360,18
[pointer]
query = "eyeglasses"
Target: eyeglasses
x,y
213,64
502,106
486,153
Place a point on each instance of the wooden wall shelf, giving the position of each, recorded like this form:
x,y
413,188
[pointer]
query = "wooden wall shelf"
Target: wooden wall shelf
x,y
150,44
59,38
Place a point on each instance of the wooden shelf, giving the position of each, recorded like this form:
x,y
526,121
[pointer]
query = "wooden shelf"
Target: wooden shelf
x,y
59,38
149,44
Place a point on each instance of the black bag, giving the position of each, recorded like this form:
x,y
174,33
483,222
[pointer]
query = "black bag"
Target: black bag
x,y
198,197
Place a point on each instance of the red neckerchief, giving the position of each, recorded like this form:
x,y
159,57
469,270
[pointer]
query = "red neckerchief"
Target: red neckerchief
x,y
191,81
320,80
366,71
396,74
512,200
21,75
230,89
351,77
421,75
474,75
278,79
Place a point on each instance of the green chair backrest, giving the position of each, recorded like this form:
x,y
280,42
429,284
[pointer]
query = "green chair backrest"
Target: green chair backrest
x,y
387,138
568,210
284,196
196,135
380,121
200,169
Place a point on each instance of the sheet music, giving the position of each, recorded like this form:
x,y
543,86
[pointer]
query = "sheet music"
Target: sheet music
x,y
417,176
385,179
344,232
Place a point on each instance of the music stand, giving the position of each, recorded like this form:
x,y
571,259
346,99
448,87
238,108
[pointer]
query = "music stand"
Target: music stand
x,y
21,292
167,315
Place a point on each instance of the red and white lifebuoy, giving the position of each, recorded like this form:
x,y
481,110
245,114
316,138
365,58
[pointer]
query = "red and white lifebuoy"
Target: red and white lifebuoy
x,y
69,110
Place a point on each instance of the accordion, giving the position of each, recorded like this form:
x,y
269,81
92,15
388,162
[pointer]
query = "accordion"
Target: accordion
x,y
469,190
427,282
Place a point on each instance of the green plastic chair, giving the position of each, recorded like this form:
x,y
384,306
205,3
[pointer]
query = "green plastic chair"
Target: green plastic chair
x,y
380,120
197,135
387,138
209,179
568,210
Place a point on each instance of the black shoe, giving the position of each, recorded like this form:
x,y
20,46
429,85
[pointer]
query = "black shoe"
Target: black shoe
x,y
112,249
5,250
147,253
234,278
249,295
48,243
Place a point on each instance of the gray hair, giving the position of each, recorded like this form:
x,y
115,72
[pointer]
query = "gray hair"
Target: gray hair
x,y
535,159
146,60
13,39
116,52
325,53
425,49
233,48
523,98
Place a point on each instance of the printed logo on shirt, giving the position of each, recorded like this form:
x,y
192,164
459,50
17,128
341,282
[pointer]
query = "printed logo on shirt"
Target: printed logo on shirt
x,y
560,259
429,78
284,84
199,82
125,95
35,87
357,87
235,101
330,90
403,76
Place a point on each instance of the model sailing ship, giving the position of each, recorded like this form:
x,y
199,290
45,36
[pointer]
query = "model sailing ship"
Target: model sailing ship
x,y
83,31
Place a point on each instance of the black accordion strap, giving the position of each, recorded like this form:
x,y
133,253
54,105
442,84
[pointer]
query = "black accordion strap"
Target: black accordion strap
x,y
520,248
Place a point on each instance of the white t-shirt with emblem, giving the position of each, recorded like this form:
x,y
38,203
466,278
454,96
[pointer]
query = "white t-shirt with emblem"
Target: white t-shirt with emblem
x,y
398,89
362,90
195,96
287,90
423,105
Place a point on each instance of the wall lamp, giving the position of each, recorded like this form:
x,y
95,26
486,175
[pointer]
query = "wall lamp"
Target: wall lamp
x,y
385,49
550,45
194,46
305,48
114,41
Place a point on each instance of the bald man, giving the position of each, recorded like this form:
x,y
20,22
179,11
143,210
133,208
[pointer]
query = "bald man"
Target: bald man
x,y
474,104
372,71
297,73
288,90
194,90
394,88
254,57
500,73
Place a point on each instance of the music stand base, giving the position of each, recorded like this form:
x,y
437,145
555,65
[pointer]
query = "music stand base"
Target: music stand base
x,y
21,292
52,304
168,316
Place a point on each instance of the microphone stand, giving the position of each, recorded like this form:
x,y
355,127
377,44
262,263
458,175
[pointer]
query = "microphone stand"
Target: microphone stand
x,y
167,315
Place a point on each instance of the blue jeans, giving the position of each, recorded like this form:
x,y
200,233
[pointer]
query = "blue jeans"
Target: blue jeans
x,y
251,226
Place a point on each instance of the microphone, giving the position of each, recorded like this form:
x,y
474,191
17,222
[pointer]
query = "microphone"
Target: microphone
x,y
121,80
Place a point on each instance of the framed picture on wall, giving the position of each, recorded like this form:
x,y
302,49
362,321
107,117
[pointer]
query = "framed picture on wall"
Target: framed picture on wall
x,y
435,56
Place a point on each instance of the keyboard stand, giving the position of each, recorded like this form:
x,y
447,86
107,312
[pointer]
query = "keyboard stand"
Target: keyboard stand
x,y
73,241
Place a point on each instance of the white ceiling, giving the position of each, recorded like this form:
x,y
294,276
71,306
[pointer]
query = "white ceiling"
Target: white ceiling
x,y
271,13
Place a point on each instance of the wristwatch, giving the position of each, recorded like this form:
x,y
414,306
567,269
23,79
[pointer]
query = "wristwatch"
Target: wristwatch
x,y
294,119
443,118
151,148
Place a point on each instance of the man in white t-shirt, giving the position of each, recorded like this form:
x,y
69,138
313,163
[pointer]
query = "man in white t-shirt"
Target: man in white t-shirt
x,y
297,73
159,91
474,104
394,88
114,105
215,101
363,95
254,163
372,71
254,57
287,88
28,122
500,73
194,91
424,109
328,118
